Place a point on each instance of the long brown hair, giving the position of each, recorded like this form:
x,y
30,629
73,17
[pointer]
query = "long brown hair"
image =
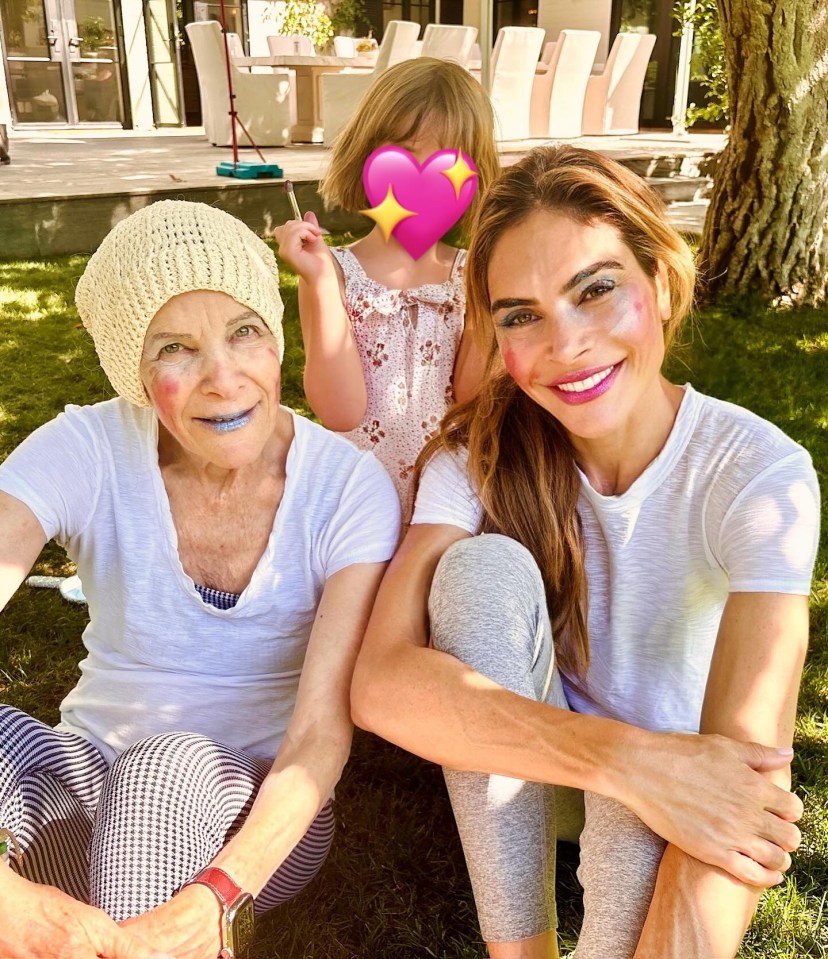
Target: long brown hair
x,y
520,459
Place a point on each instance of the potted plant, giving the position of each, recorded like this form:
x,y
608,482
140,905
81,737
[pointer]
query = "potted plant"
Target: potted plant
x,y
349,18
307,18
95,35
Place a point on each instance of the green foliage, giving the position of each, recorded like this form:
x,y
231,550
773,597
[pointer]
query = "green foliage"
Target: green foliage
x,y
707,66
306,18
395,886
349,16
638,13
95,33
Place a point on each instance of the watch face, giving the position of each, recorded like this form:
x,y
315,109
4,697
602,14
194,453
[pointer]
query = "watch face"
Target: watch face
x,y
240,921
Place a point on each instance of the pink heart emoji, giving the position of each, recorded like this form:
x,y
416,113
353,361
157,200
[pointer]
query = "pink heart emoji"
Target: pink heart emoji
x,y
435,194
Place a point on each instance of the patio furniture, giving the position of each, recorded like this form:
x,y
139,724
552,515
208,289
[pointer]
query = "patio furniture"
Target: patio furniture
x,y
613,98
265,103
557,103
309,71
293,45
515,55
234,45
344,46
236,48
448,42
341,92
548,51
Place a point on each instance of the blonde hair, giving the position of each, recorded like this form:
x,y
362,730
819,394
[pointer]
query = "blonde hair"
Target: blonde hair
x,y
520,458
420,96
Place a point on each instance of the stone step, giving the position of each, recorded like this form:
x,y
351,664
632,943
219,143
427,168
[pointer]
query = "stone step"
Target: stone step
x,y
673,189
688,218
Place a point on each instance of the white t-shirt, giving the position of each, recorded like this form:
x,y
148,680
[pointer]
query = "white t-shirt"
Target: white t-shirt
x,y
159,658
730,504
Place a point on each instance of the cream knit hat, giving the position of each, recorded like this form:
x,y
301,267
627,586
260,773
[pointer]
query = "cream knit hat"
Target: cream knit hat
x,y
170,247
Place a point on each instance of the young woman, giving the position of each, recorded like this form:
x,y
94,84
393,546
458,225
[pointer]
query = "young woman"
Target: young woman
x,y
665,539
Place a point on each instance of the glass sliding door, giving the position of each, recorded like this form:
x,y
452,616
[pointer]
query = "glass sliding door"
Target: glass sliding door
x,y
163,44
94,61
63,62
36,79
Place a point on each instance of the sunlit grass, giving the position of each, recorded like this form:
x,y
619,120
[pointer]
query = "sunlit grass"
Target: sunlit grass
x,y
396,886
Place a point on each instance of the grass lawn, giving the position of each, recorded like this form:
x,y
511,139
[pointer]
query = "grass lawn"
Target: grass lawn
x,y
395,885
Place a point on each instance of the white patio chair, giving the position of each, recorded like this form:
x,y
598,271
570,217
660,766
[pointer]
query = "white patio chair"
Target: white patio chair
x,y
613,97
446,41
341,92
548,51
344,46
234,45
515,54
557,104
294,45
265,103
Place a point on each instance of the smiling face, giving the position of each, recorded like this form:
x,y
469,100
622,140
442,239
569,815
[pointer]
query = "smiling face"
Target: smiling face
x,y
211,370
579,325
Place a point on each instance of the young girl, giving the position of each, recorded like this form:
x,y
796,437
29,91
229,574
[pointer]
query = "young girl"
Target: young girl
x,y
384,344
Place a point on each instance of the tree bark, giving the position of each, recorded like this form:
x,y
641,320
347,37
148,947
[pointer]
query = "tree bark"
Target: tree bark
x,y
766,232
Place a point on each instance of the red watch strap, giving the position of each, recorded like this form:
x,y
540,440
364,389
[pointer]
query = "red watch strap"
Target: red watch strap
x,y
221,884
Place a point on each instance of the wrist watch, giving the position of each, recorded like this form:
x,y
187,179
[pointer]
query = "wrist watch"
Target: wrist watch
x,y
236,911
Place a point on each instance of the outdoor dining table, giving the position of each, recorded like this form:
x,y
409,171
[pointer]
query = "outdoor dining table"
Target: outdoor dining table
x,y
309,127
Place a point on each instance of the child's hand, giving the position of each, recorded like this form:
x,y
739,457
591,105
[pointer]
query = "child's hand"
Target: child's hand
x,y
301,246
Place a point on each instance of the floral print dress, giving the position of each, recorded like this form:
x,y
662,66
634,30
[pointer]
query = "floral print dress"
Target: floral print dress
x,y
407,342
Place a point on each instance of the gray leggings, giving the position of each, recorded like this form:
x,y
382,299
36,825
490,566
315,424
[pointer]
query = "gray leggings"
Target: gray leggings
x,y
488,609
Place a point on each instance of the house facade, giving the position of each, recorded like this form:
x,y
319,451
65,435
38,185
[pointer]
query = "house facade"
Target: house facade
x,y
125,63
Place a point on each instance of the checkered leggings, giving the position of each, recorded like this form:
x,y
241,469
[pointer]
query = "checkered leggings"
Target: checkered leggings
x,y
126,837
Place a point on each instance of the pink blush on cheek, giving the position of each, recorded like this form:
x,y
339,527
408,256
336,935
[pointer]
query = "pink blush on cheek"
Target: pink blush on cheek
x,y
512,364
508,360
163,393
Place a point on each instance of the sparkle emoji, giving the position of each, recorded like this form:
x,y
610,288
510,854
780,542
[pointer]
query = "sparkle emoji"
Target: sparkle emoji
x,y
458,174
389,213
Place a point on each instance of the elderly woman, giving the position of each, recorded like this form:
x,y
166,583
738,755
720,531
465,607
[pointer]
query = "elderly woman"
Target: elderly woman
x,y
230,552
665,538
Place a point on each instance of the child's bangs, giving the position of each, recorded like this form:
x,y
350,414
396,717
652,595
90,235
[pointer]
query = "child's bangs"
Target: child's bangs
x,y
431,122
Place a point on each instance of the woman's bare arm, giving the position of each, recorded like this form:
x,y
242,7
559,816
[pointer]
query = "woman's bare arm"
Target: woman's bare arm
x,y
308,766
431,704
40,920
21,540
697,910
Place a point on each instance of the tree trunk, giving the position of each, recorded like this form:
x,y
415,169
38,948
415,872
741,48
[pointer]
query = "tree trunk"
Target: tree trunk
x,y
766,232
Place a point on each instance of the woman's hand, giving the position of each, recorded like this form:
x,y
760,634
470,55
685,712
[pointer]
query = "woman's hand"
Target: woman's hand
x,y
187,926
301,246
40,922
705,794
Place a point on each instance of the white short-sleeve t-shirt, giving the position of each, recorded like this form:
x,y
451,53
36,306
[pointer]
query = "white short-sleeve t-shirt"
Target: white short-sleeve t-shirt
x,y
160,659
730,504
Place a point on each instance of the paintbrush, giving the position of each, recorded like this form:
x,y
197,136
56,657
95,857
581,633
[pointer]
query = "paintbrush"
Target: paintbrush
x,y
292,197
